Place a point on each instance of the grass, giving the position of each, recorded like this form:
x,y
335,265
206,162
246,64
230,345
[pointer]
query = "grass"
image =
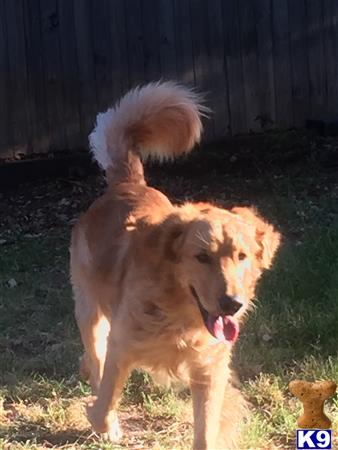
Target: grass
x,y
292,333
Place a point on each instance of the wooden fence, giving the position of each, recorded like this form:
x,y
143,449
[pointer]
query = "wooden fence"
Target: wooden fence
x,y
262,63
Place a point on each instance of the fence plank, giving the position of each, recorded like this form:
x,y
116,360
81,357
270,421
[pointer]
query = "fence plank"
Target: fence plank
x,y
70,74
217,82
317,67
151,40
50,23
135,42
167,39
200,51
284,115
17,76
267,109
38,129
184,55
249,63
120,72
234,67
330,25
84,49
102,54
5,150
299,62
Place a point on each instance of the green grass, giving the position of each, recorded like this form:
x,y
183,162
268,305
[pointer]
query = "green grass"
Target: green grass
x,y
291,333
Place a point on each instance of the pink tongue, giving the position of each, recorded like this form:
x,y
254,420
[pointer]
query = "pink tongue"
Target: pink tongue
x,y
223,328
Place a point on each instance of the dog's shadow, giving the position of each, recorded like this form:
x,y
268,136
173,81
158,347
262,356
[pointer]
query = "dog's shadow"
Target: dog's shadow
x,y
31,431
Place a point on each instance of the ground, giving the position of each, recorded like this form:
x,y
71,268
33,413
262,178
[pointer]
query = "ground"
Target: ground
x,y
291,178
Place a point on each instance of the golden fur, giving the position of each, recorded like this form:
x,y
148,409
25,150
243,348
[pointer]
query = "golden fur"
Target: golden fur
x,y
137,270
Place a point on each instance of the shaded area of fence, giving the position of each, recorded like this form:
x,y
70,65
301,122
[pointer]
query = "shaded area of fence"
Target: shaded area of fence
x,y
262,63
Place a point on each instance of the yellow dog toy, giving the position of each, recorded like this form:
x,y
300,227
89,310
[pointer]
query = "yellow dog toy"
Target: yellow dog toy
x,y
313,396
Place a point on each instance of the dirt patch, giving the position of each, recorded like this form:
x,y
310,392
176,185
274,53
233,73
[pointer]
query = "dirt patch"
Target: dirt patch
x,y
249,170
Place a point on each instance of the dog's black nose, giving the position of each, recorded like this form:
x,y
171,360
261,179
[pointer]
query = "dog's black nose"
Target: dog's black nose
x,y
230,305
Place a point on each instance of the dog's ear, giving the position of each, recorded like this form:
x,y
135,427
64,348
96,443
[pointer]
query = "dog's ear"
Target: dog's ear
x,y
167,238
267,237
173,235
269,240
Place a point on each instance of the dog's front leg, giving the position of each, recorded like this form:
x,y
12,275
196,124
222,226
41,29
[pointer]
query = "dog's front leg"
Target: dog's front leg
x,y
208,387
102,414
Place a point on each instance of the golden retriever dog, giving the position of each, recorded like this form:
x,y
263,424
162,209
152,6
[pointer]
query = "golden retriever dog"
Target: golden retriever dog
x,y
158,286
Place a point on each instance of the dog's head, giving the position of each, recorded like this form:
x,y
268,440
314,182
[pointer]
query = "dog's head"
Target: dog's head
x,y
219,256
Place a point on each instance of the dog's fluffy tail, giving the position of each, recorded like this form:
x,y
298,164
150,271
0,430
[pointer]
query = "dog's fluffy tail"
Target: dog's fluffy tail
x,y
159,120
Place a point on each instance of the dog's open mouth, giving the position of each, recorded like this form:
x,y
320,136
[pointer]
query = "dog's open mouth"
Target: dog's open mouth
x,y
222,328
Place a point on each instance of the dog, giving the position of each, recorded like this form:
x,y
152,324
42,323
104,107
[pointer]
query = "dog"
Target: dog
x,y
158,286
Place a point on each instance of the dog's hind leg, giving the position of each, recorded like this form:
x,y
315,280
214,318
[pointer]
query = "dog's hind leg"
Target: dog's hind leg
x,y
94,328
102,414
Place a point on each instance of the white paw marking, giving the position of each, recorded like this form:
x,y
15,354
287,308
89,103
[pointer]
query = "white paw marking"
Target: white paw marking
x,y
114,434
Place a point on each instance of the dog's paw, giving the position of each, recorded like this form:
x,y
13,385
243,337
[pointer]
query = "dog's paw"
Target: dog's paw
x,y
101,420
114,434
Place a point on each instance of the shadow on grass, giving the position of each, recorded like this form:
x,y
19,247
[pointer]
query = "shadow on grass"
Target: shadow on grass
x,y
34,433
296,310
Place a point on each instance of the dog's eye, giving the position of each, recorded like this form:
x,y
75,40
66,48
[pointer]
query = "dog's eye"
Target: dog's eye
x,y
203,258
241,256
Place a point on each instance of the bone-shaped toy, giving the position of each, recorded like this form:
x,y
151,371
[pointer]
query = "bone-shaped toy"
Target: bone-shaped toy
x,y
313,396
